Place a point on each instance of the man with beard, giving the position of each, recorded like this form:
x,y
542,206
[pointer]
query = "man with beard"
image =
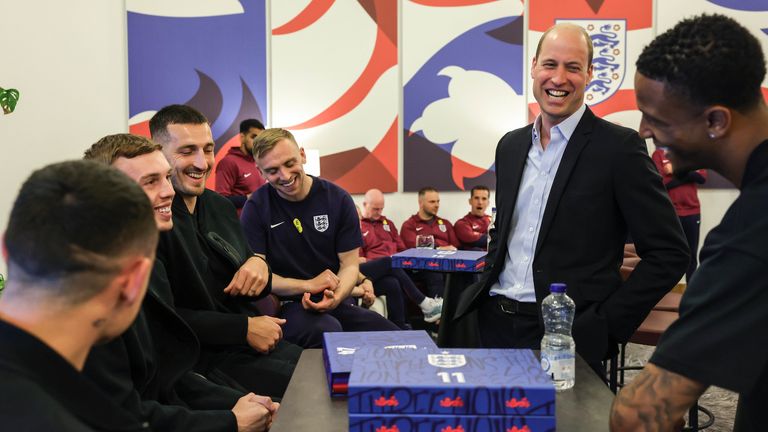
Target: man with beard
x,y
149,369
236,173
427,222
698,86
210,267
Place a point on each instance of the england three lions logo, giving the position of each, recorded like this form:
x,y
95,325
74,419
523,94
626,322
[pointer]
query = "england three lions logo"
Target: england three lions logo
x,y
446,360
609,39
321,222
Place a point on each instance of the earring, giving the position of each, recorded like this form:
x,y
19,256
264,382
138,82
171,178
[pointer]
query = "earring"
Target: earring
x,y
711,135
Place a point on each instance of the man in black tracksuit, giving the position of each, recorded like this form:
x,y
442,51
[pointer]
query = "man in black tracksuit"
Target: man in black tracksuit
x,y
212,272
149,369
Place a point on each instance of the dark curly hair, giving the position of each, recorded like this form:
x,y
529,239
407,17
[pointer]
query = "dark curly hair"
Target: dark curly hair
x,y
708,60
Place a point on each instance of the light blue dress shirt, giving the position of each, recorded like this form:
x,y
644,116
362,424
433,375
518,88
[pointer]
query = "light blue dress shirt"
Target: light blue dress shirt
x,y
516,279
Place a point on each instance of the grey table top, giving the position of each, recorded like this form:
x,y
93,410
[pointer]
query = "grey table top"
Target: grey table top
x,y
307,406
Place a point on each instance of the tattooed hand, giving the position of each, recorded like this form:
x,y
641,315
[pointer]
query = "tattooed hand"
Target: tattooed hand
x,y
656,400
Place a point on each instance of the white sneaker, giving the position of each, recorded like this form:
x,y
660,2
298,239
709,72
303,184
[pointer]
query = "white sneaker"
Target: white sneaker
x,y
432,309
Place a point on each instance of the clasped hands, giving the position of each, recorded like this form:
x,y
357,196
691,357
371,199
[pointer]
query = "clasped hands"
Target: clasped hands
x,y
326,283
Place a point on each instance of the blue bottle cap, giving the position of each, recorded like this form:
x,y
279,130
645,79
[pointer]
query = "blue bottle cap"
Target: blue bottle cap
x,y
557,287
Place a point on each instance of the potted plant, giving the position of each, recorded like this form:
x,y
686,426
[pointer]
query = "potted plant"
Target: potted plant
x,y
8,99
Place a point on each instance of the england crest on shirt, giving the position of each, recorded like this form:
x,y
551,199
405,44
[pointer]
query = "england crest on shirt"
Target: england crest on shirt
x,y
609,39
321,222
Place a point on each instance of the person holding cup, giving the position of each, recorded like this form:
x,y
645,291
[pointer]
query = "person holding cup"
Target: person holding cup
x,y
426,223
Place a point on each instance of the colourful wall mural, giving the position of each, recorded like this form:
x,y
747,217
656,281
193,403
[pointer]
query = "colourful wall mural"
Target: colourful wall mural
x,y
210,55
335,79
463,65
335,86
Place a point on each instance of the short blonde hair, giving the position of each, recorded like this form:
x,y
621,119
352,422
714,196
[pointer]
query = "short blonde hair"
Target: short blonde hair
x,y
268,139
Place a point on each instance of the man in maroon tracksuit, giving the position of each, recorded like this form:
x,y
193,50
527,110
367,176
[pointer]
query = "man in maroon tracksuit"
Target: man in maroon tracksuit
x,y
426,222
682,189
380,236
236,174
472,229
380,241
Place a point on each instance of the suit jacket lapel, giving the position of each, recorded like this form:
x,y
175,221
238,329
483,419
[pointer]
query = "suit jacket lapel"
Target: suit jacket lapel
x,y
576,144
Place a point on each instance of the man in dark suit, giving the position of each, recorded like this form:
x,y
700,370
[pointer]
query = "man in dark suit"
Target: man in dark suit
x,y
570,188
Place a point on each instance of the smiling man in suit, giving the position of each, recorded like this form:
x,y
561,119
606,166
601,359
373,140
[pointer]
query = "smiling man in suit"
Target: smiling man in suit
x,y
570,188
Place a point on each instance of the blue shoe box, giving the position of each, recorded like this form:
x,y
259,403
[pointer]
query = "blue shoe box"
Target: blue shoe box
x,y
339,349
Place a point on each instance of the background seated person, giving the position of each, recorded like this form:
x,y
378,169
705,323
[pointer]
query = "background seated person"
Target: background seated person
x,y
682,189
393,282
380,236
472,229
307,229
427,222
236,173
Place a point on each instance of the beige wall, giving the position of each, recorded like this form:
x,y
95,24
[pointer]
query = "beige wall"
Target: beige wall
x,y
68,59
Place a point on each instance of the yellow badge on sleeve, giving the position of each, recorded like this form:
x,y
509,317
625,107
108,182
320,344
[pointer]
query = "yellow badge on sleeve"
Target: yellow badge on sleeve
x,y
297,224
439,221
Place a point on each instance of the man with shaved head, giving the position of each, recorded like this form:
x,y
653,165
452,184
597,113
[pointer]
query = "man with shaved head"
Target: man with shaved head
x,y
375,225
380,241
570,188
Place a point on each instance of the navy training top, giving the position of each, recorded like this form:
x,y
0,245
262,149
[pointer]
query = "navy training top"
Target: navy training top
x,y
301,239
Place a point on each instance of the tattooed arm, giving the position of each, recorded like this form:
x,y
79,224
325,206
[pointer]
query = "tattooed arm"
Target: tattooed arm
x,y
655,400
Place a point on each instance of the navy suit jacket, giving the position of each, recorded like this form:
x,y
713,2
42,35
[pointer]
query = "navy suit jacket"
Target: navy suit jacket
x,y
606,187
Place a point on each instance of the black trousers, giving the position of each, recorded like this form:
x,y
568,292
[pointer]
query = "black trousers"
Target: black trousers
x,y
504,325
263,374
507,324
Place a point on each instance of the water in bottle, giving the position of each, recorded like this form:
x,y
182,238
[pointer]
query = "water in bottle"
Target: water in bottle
x,y
558,351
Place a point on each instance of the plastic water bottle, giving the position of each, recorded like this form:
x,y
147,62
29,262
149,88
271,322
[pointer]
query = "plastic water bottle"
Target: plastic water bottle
x,y
491,228
558,351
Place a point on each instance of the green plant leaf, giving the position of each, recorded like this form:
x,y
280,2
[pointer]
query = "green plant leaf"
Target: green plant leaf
x,y
8,99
